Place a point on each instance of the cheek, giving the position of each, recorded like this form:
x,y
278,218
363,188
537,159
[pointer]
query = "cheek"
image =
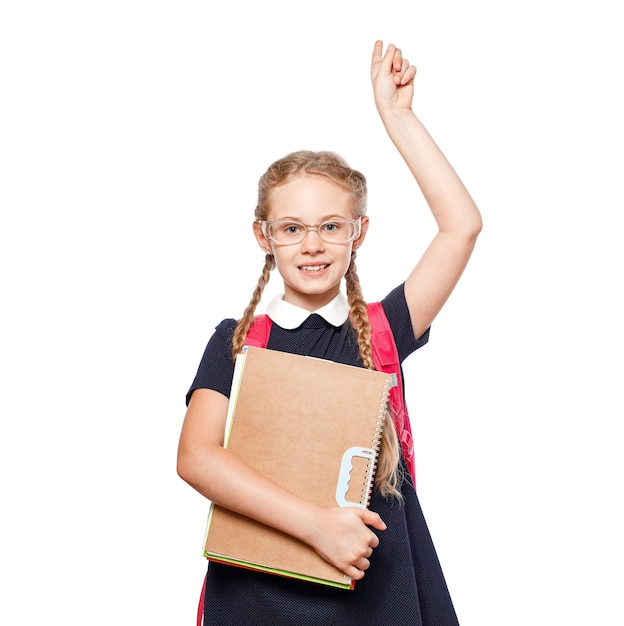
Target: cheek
x,y
280,255
348,252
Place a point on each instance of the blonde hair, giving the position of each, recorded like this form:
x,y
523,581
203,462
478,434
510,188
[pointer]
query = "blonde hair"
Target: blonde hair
x,y
336,169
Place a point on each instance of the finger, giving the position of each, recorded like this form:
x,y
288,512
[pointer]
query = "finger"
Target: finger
x,y
397,60
377,59
408,75
377,53
357,569
354,572
363,564
399,76
388,59
371,518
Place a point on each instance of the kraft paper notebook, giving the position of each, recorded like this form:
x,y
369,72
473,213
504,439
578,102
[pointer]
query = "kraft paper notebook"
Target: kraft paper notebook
x,y
313,427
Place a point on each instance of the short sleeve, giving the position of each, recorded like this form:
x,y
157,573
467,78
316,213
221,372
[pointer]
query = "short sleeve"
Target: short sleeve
x,y
397,312
216,367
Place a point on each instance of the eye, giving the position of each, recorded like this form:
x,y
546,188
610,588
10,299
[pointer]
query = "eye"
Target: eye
x,y
331,227
287,228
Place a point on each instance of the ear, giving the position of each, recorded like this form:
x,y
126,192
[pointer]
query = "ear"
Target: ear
x,y
263,242
360,240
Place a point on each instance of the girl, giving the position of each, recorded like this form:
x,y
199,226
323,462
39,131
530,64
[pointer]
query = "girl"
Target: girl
x,y
310,221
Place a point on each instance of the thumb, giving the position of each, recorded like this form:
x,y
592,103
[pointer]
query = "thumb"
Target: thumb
x,y
370,518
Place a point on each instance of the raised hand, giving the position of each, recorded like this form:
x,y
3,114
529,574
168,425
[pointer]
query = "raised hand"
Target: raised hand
x,y
393,79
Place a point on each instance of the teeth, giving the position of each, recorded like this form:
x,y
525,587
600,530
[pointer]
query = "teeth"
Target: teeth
x,y
313,268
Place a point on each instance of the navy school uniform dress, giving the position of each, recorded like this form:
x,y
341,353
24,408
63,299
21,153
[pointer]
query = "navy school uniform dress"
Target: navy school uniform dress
x,y
404,585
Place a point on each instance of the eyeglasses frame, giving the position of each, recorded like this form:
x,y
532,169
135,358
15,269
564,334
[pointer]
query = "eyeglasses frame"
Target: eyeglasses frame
x,y
264,224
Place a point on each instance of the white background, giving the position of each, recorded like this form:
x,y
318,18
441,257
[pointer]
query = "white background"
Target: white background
x,y
132,137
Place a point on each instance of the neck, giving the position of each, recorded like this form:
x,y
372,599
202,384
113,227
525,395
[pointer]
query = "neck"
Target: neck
x,y
310,301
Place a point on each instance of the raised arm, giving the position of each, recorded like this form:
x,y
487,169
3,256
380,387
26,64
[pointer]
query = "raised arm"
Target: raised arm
x,y
435,275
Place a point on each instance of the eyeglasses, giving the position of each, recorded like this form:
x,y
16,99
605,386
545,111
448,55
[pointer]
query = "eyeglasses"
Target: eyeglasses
x,y
287,232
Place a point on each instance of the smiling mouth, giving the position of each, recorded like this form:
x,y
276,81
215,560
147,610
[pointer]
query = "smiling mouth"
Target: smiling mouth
x,y
312,268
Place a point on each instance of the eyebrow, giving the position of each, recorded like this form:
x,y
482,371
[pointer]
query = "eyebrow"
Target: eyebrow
x,y
326,218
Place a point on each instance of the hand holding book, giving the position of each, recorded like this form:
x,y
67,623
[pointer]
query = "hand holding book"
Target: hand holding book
x,y
343,538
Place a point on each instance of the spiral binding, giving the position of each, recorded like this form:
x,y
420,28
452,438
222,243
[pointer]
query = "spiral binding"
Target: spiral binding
x,y
371,468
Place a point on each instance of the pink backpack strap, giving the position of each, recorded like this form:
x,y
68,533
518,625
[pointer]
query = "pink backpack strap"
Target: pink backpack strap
x,y
259,331
200,607
386,359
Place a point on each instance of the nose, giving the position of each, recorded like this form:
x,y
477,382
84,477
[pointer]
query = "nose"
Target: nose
x,y
312,241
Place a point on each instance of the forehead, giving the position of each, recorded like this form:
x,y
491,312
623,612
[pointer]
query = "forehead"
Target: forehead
x,y
309,198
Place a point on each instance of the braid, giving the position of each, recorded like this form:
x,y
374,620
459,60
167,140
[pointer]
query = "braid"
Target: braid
x,y
242,328
388,475
359,314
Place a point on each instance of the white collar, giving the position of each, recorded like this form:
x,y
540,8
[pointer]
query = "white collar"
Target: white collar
x,y
291,316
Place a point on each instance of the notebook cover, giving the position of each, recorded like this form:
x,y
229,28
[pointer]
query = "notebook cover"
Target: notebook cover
x,y
293,419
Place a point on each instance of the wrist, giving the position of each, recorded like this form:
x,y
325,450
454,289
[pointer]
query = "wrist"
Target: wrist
x,y
309,524
394,115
